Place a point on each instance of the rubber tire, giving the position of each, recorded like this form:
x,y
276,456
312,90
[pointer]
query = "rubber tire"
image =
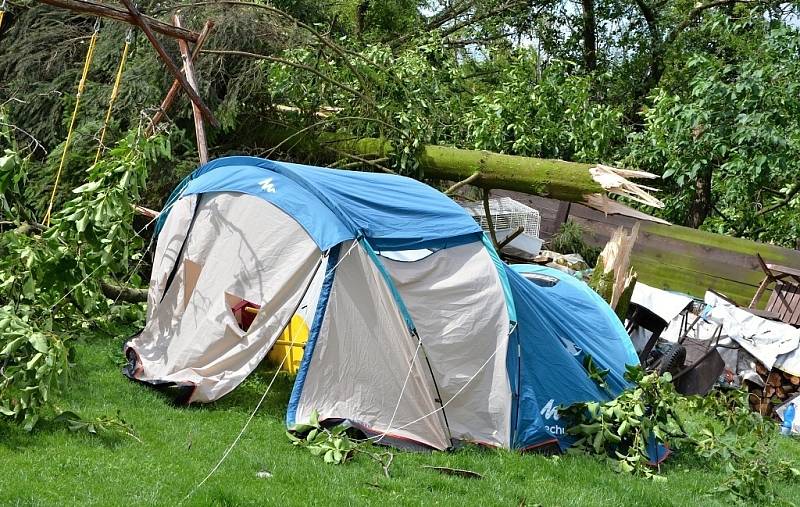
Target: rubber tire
x,y
673,360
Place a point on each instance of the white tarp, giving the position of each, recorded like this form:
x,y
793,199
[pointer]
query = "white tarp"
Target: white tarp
x,y
361,361
239,247
666,305
457,304
765,339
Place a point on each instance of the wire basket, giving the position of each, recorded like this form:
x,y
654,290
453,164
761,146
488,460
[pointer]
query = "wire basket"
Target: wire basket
x,y
507,214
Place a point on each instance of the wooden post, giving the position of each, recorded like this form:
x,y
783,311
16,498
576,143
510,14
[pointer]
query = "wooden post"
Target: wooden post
x,y
562,215
188,69
173,69
169,98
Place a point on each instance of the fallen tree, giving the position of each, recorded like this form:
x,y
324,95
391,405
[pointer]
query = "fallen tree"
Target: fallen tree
x,y
557,179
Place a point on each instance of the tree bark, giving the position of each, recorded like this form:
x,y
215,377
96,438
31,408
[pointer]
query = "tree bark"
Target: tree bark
x,y
701,202
589,36
127,294
557,179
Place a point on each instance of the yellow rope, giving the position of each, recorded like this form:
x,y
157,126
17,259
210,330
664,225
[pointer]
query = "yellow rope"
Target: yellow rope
x,y
81,86
2,11
113,97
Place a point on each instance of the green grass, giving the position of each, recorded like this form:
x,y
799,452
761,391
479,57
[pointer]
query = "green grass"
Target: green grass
x,y
53,466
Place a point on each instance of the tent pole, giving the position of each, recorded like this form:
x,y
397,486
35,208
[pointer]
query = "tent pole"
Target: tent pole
x,y
436,387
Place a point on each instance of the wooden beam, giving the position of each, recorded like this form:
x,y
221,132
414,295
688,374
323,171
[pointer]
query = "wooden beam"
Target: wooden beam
x,y
173,69
562,215
169,98
107,11
188,70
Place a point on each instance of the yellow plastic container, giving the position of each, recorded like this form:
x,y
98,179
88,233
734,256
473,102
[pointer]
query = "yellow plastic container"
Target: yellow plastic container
x,y
291,342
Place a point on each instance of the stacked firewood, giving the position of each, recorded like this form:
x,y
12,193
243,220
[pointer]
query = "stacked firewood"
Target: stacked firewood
x,y
778,387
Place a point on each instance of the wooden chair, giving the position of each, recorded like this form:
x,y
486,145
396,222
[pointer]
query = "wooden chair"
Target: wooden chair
x,y
784,303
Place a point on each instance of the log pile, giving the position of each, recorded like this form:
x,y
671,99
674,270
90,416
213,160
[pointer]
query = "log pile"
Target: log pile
x,y
778,387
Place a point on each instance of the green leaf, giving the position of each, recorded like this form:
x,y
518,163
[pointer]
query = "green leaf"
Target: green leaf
x,y
33,361
29,288
12,346
88,187
597,444
39,342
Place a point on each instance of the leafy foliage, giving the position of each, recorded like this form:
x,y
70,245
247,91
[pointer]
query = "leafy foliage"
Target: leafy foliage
x,y
742,441
103,426
49,277
701,93
630,427
552,116
723,432
34,366
734,128
332,444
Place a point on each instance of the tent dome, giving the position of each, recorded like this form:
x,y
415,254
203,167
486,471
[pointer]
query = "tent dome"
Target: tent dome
x,y
393,212
418,333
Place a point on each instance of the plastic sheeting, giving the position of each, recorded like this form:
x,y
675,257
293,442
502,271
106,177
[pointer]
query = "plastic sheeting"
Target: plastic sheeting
x,y
766,340
665,304
557,327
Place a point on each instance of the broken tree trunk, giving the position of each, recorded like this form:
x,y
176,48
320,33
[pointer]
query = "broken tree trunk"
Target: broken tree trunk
x,y
613,278
558,179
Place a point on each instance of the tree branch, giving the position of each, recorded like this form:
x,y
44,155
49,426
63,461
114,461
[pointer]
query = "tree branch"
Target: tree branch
x,y
324,40
480,17
107,11
372,163
694,14
296,65
783,202
127,294
463,182
489,222
649,18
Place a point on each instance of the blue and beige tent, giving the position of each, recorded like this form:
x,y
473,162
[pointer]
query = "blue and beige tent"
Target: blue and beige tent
x,y
417,330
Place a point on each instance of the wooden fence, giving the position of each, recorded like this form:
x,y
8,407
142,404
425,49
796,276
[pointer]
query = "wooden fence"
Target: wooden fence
x,y
670,256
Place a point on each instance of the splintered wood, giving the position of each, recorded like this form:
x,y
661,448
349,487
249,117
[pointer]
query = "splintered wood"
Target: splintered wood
x,y
613,273
615,181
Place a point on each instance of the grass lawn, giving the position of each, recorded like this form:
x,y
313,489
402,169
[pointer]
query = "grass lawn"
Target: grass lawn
x,y
53,466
